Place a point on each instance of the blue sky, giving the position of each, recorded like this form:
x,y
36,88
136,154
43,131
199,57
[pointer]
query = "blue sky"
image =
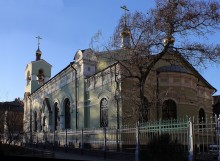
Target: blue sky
x,y
65,26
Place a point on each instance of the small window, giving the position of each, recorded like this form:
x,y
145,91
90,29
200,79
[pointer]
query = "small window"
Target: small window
x,y
88,68
202,118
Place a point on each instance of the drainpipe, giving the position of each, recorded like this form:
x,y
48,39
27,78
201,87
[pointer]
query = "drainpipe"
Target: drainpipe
x,y
71,64
117,93
31,139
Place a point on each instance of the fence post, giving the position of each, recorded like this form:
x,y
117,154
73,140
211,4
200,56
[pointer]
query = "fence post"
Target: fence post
x,y
104,134
82,142
218,133
66,141
117,140
137,143
54,139
160,124
190,157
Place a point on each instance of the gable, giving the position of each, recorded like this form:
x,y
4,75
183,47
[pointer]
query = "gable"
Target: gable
x,y
175,62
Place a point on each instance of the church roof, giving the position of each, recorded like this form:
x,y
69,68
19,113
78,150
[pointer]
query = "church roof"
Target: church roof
x,y
194,71
111,56
174,68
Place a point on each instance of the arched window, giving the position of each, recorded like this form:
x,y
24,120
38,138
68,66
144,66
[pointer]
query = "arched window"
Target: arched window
x,y
28,77
44,122
35,121
67,113
169,110
56,115
103,112
143,115
201,118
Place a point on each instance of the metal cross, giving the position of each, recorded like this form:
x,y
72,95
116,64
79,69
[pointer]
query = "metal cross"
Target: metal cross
x,y
38,37
125,9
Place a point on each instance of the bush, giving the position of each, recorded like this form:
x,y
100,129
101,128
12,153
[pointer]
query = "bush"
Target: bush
x,y
8,150
163,149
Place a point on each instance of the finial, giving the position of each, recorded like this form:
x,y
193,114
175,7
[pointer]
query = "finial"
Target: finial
x,y
125,16
38,52
125,34
38,43
169,40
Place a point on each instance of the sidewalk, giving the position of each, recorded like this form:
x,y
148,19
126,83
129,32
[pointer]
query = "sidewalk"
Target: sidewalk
x,y
76,155
72,156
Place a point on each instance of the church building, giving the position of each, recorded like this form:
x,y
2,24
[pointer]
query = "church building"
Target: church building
x,y
89,92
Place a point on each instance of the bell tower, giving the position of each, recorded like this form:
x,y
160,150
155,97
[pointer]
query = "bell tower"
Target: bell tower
x,y
37,72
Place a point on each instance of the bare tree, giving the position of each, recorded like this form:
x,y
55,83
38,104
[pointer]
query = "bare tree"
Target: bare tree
x,y
2,114
153,34
13,126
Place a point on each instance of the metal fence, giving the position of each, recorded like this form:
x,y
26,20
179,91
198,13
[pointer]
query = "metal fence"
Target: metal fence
x,y
200,137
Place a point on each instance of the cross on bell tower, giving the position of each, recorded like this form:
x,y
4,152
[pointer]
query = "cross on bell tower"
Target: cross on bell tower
x,y
38,52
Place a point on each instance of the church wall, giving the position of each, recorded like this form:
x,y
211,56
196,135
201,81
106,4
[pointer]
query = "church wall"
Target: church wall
x,y
62,87
184,90
60,96
104,91
41,64
81,102
101,85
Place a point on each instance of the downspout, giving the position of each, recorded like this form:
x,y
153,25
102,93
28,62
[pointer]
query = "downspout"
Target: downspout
x,y
29,97
76,101
117,93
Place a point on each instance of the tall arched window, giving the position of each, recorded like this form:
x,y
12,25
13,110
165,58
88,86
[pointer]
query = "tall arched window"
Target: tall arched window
x,y
202,118
56,117
103,112
35,121
67,113
44,123
169,110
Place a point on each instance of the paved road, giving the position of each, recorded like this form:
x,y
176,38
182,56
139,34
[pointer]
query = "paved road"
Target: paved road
x,y
72,156
62,155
